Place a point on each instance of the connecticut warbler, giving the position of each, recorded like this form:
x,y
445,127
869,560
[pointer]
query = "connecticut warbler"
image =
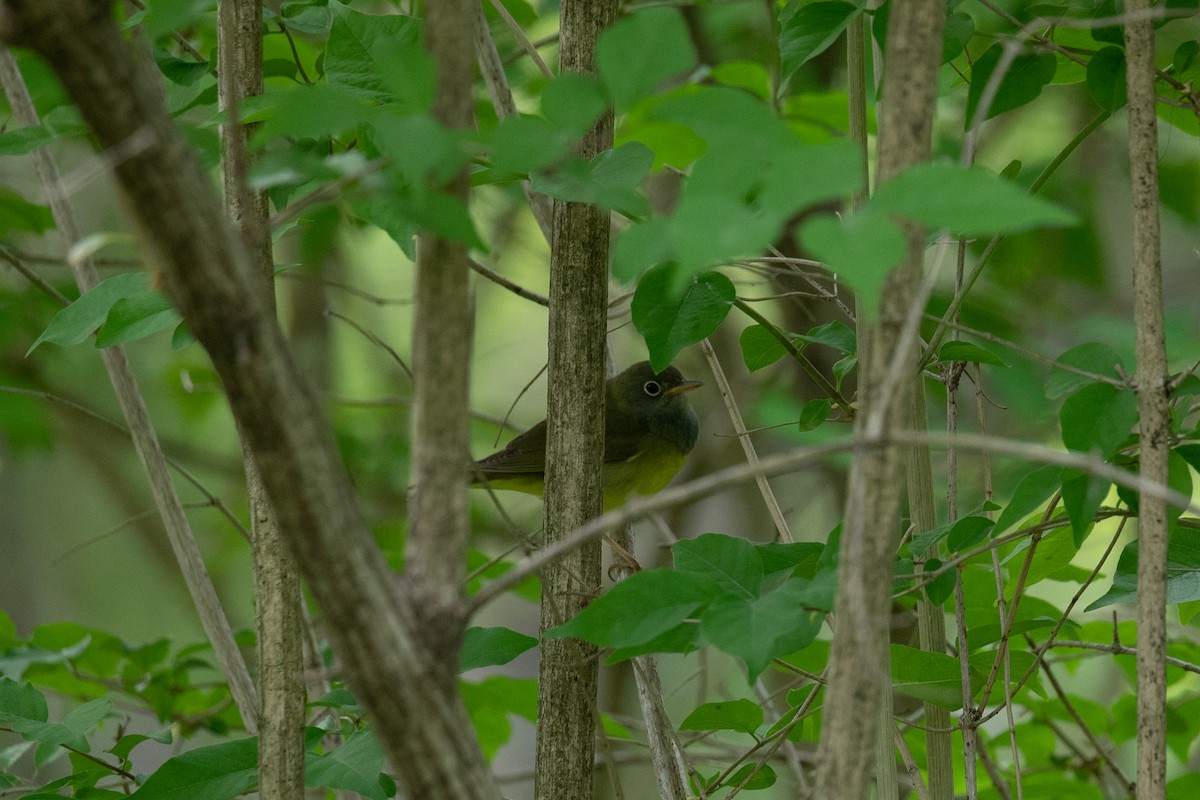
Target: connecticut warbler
x,y
649,428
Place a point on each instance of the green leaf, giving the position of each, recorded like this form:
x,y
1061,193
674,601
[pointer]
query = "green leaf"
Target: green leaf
x,y
1106,78
573,102
485,647
639,608
713,228
77,321
759,348
354,766
763,778
1185,56
807,32
361,50
641,51
1032,490
21,141
730,562
136,317
176,70
20,701
760,629
311,112
832,334
1099,359
217,772
18,214
72,731
609,180
969,201
1021,83
932,677
1098,417
958,30
671,320
1183,574
640,247
1082,496
968,532
523,144
965,351
814,413
861,247
941,587
741,715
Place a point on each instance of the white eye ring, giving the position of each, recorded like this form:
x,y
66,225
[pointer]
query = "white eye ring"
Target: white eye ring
x,y
652,388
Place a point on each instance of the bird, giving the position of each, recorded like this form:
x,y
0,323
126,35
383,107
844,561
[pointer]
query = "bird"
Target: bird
x,y
649,429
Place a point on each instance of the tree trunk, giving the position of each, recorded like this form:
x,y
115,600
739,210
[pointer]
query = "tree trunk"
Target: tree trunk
x,y
575,444
858,659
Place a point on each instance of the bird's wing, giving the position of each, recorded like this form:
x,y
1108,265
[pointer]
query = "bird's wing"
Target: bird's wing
x,y
524,454
619,448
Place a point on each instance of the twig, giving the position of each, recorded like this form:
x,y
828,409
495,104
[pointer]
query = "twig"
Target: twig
x,y
500,280
739,425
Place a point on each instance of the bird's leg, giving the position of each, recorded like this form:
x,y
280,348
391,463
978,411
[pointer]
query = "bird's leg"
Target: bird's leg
x,y
628,561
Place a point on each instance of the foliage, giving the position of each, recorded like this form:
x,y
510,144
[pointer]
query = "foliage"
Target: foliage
x,y
731,164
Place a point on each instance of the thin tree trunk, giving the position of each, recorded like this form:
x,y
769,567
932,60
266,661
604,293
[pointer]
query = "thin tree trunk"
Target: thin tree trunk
x,y
1153,390
858,663
277,598
567,674
404,681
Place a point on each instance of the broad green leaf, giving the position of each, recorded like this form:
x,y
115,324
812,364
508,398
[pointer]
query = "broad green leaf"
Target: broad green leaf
x,y
710,229
19,141
354,766
969,201
636,55
485,647
136,317
1020,83
960,535
178,71
421,149
311,112
1184,57
932,677
20,215
1183,573
1032,490
861,248
1082,496
781,557
832,334
523,144
640,247
958,30
759,348
639,608
124,745
217,772
361,50
730,562
1106,78
79,320
609,180
941,587
741,715
1099,359
761,776
760,629
573,102
491,701
965,351
749,75
807,31
20,701
1054,552
800,176
814,413
164,16
670,320
1098,417
73,731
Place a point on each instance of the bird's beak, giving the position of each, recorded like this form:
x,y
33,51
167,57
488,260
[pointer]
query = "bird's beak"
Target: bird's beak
x,y
686,386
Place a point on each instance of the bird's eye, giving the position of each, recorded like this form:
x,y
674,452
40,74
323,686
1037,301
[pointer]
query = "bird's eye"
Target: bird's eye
x,y
652,388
